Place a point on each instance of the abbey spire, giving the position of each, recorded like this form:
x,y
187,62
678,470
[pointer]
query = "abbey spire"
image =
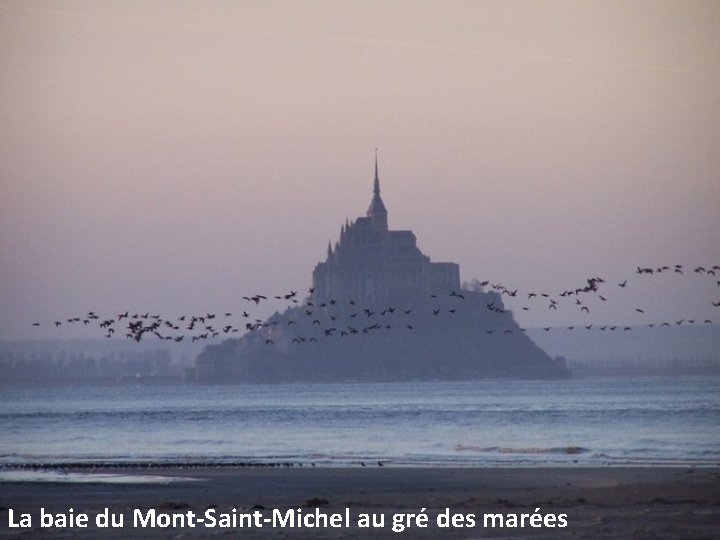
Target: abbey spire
x,y
376,187
377,212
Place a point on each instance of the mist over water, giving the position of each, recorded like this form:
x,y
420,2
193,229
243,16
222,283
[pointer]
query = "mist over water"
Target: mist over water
x,y
594,421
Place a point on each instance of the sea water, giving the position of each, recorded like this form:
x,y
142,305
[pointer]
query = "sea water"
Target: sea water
x,y
594,421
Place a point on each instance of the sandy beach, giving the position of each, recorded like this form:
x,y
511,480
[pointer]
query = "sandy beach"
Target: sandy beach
x,y
652,503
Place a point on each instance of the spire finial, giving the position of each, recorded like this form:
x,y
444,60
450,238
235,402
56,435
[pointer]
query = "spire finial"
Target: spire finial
x,y
376,188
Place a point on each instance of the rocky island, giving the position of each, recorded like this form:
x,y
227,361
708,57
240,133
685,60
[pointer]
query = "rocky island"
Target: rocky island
x,y
380,310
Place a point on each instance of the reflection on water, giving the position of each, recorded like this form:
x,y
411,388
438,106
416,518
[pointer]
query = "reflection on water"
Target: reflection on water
x,y
87,478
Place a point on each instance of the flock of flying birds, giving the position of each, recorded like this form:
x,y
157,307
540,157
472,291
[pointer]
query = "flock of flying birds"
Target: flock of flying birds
x,y
345,317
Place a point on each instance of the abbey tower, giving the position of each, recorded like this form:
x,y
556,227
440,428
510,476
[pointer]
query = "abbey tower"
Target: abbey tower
x,y
374,265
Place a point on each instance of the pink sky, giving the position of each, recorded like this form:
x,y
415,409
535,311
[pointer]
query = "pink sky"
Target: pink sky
x,y
174,156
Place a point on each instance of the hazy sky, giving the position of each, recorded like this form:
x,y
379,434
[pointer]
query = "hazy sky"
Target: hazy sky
x,y
174,156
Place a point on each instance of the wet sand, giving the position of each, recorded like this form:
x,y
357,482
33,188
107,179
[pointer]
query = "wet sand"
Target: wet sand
x,y
638,503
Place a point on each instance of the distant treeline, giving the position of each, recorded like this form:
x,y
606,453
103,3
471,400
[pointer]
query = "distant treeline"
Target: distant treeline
x,y
694,365
18,368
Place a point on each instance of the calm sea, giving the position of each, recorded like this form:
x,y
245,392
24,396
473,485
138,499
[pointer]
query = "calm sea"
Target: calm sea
x,y
594,421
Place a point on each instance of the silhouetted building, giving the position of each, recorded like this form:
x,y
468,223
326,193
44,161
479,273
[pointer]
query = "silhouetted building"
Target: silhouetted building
x,y
380,310
373,264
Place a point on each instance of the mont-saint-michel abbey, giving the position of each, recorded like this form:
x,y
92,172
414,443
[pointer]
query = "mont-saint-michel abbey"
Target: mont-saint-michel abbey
x,y
381,310
373,264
